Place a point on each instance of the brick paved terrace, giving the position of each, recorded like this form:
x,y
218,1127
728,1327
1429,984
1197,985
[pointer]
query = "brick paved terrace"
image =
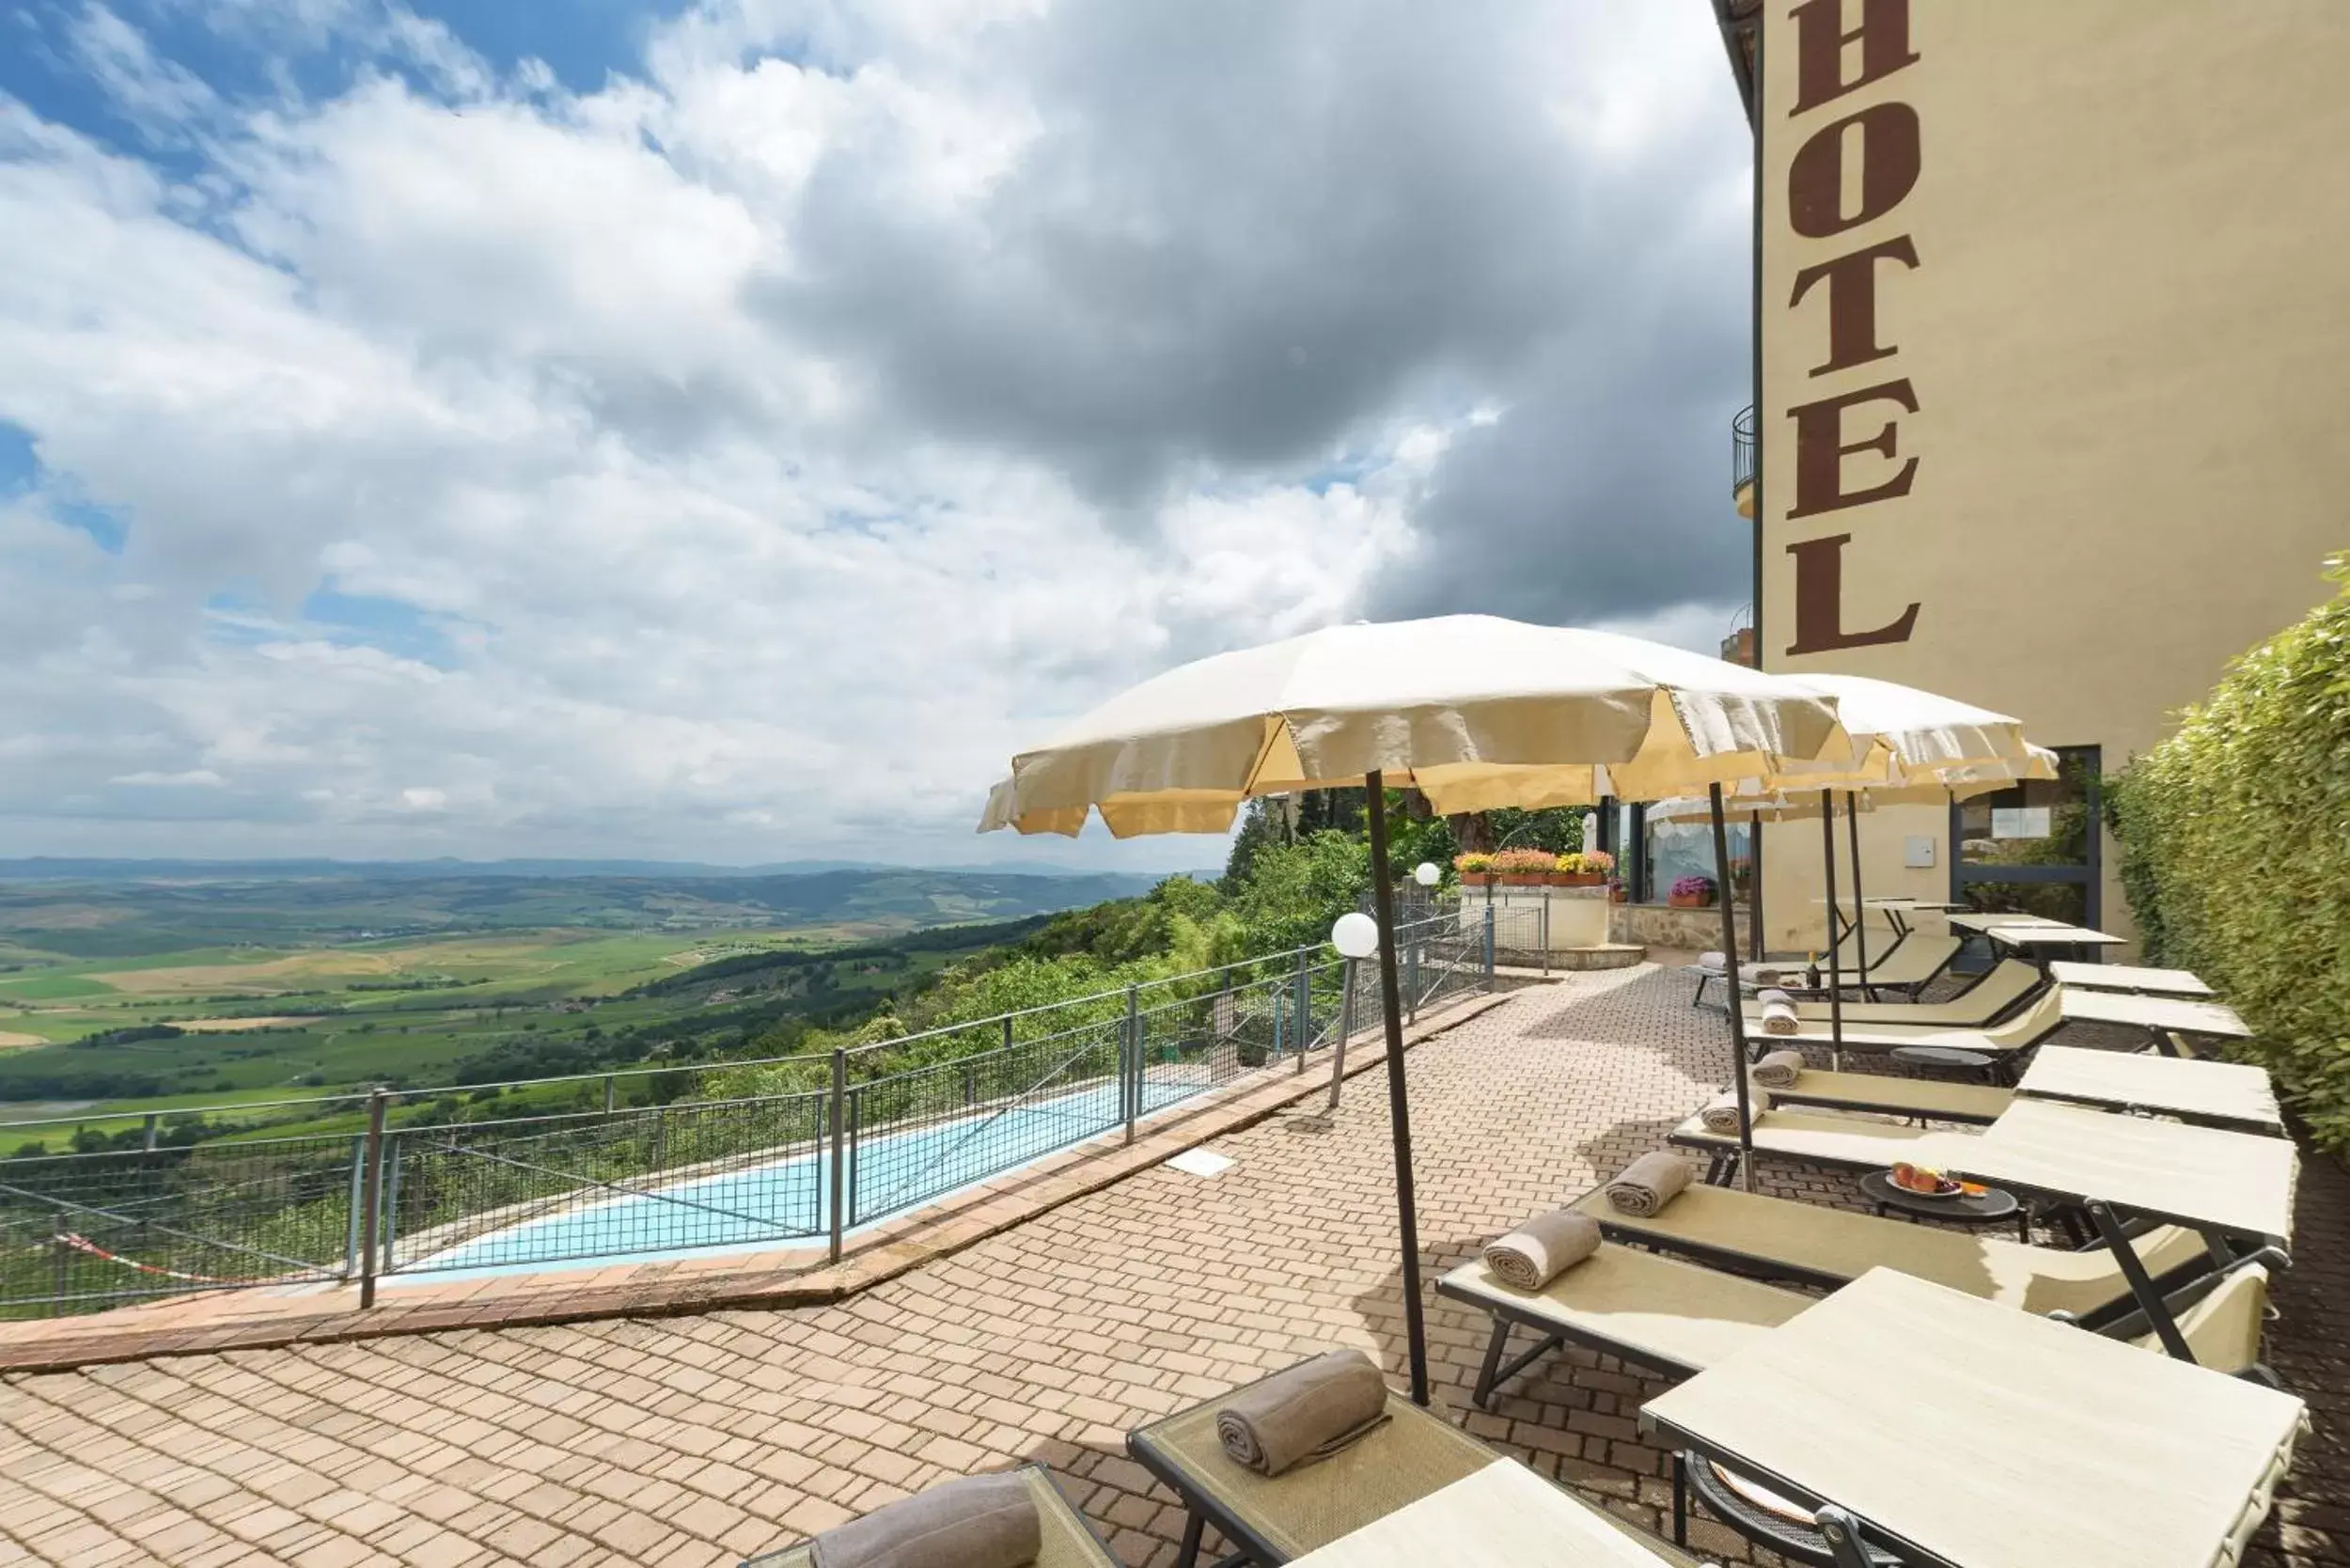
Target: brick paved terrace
x,y
688,1440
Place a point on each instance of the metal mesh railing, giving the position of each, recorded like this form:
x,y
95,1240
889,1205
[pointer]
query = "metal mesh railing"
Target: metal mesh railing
x,y
537,1191
892,1131
83,1231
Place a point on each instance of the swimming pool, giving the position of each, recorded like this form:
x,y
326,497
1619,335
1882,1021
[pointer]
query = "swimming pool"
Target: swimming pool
x,y
789,1200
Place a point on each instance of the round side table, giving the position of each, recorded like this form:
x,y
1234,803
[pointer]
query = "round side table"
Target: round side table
x,y
1994,1207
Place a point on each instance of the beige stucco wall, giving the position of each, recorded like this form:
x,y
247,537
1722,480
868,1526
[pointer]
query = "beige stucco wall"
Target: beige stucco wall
x,y
2128,337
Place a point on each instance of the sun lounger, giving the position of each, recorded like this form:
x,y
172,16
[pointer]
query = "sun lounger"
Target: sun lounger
x,y
1790,967
1837,1142
1067,1539
1998,990
1929,1099
2021,1030
2211,1093
1804,1244
1411,1458
1677,1318
1948,1431
1916,964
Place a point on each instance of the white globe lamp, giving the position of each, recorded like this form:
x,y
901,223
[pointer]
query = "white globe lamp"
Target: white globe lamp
x,y
1355,936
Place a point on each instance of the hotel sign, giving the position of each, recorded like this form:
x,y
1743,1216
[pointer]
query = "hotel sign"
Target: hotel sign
x,y
1852,169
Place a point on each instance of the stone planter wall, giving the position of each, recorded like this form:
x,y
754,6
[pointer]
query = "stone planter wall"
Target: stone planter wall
x,y
1577,916
1655,925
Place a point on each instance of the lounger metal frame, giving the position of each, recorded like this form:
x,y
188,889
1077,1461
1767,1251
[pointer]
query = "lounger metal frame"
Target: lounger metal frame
x,y
1203,1508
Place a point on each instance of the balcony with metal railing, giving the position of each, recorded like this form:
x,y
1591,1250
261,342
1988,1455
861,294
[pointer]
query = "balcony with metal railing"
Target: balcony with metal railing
x,y
1741,459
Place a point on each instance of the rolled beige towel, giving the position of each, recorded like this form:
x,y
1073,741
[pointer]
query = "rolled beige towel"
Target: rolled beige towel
x,y
1648,1183
1542,1248
1779,1069
978,1522
1768,974
1308,1412
1779,1018
1720,1114
1770,993
1712,961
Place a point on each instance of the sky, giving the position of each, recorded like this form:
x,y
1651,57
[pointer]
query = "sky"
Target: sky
x,y
731,431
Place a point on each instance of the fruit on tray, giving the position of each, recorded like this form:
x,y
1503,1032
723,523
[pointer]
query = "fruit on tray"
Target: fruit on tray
x,y
1922,1179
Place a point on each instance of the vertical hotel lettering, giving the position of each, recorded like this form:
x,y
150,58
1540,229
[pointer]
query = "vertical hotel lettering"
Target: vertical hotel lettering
x,y
1848,171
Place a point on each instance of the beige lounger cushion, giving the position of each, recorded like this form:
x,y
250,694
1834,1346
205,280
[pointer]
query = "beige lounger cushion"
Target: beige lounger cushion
x,y
1840,1243
1910,1096
1660,1311
1825,1138
2024,1030
2223,1329
2009,984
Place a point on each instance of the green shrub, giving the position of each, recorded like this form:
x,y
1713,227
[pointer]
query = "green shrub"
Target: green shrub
x,y
2235,840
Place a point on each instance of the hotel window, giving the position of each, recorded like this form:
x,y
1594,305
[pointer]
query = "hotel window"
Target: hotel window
x,y
2032,848
1672,850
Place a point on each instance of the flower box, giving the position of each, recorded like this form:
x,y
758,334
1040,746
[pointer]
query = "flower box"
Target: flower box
x,y
1475,879
1577,879
1689,900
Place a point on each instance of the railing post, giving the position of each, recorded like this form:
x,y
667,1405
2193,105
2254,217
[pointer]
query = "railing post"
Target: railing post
x,y
394,1162
147,1137
358,1196
1134,1057
1280,1007
1006,1031
857,1126
610,1095
1546,931
839,1142
1411,990
60,1281
1304,1011
371,1197
659,1139
1489,940
970,1084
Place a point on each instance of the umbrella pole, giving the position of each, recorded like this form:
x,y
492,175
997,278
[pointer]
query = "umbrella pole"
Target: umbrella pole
x,y
1859,904
1735,1011
1835,968
1399,1102
1754,886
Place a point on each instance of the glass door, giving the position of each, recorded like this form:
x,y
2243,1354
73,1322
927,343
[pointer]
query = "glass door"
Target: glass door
x,y
2032,849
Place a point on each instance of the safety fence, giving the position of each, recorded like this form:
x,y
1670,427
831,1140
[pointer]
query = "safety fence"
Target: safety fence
x,y
844,1140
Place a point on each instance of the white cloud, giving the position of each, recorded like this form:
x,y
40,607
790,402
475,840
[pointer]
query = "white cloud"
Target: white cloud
x,y
193,778
742,459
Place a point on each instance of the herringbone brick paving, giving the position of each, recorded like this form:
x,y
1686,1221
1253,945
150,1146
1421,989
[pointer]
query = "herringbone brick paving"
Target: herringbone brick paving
x,y
695,1440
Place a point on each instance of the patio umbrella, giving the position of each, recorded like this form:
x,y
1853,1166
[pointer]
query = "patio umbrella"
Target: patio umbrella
x,y
1909,744
1474,711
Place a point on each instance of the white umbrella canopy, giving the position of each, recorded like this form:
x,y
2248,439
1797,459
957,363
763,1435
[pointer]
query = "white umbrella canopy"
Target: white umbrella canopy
x,y
1477,712
1904,735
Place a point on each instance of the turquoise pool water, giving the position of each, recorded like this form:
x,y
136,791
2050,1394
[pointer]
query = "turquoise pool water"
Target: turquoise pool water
x,y
788,1200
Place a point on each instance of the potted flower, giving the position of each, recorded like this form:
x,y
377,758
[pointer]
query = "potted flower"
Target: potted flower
x,y
1616,891
1525,867
1575,869
1691,892
1476,868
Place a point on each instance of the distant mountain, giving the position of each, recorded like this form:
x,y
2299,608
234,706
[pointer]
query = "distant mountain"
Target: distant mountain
x,y
162,906
60,869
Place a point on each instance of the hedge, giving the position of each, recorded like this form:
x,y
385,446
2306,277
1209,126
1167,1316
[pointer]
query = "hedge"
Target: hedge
x,y
2236,854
